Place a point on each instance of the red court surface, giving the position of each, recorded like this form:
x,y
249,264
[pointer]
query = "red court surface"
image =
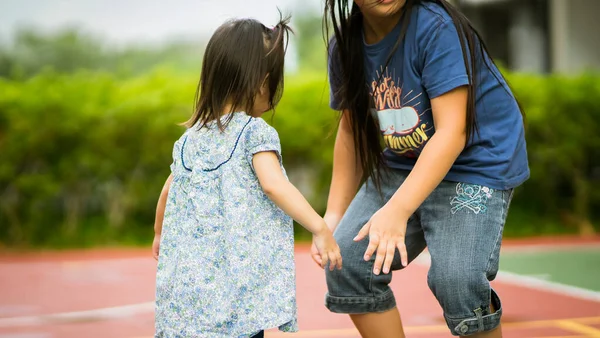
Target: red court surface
x,y
109,293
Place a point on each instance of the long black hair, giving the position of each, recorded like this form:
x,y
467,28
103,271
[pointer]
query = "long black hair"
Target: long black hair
x,y
238,58
346,48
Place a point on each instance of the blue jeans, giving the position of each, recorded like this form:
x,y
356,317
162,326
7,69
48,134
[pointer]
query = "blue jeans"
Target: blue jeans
x,y
460,224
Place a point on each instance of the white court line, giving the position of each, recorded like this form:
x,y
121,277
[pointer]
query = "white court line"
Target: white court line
x,y
148,307
532,282
541,248
540,284
87,315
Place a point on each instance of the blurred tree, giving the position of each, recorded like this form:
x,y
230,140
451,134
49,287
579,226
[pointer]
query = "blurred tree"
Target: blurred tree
x,y
70,49
310,40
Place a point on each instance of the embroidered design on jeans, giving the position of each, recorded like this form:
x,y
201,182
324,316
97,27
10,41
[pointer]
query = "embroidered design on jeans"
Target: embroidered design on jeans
x,y
472,197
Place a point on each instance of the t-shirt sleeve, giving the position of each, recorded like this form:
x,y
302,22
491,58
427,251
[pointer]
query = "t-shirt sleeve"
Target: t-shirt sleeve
x,y
444,66
335,79
177,154
261,137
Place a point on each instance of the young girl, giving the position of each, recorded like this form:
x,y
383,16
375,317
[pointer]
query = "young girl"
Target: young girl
x,y
226,263
417,73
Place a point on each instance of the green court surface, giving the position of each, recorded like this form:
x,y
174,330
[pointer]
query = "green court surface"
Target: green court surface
x,y
574,266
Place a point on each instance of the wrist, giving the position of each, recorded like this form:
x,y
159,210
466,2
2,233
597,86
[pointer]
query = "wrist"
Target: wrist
x,y
398,209
333,214
321,228
332,219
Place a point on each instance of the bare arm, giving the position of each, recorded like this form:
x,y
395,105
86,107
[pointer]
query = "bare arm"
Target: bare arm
x,y
284,194
290,200
347,173
160,207
386,228
160,214
444,147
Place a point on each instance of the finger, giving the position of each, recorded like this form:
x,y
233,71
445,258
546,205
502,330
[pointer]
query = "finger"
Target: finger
x,y
403,254
364,231
324,261
314,254
338,258
381,250
316,258
373,244
389,256
332,261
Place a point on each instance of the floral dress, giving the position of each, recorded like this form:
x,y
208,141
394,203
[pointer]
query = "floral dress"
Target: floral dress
x,y
226,265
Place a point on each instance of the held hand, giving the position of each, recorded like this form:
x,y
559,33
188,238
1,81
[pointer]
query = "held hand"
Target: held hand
x,y
386,231
327,250
156,246
332,222
314,254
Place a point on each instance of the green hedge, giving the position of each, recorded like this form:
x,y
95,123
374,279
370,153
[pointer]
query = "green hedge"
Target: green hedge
x,y
84,156
563,140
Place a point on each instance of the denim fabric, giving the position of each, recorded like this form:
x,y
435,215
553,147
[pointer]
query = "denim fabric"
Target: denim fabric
x,y
460,224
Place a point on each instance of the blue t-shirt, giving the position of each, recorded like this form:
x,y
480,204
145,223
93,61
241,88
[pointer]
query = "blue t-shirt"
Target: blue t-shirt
x,y
428,63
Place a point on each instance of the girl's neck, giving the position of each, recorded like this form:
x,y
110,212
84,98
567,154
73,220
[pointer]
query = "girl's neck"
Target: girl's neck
x,y
228,109
376,28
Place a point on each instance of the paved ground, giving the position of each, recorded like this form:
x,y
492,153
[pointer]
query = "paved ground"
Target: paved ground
x,y
550,288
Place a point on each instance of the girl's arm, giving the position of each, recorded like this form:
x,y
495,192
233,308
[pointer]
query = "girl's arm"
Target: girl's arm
x,y
290,200
284,194
386,229
449,116
346,176
160,214
160,207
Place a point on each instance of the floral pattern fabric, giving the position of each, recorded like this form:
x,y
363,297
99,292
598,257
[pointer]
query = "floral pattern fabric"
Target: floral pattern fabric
x,y
226,264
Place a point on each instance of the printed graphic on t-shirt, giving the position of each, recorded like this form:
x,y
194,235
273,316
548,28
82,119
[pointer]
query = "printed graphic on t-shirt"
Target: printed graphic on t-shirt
x,y
400,117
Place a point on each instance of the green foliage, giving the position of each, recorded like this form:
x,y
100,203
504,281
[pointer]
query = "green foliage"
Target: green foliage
x,y
70,50
85,151
84,156
311,45
564,147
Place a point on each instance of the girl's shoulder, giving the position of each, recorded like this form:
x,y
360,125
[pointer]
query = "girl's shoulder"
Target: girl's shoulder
x,y
259,136
431,13
432,25
258,126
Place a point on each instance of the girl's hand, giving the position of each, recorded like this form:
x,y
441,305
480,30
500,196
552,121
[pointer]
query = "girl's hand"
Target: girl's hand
x,y
386,231
332,222
156,246
327,249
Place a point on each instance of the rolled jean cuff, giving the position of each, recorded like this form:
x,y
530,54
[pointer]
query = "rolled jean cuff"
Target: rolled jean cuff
x,y
360,305
479,323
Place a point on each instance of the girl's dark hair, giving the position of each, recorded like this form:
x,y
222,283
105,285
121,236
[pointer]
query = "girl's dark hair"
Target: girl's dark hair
x,y
347,24
239,56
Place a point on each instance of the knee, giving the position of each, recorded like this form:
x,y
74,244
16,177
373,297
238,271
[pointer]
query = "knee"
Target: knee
x,y
452,285
355,289
354,277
